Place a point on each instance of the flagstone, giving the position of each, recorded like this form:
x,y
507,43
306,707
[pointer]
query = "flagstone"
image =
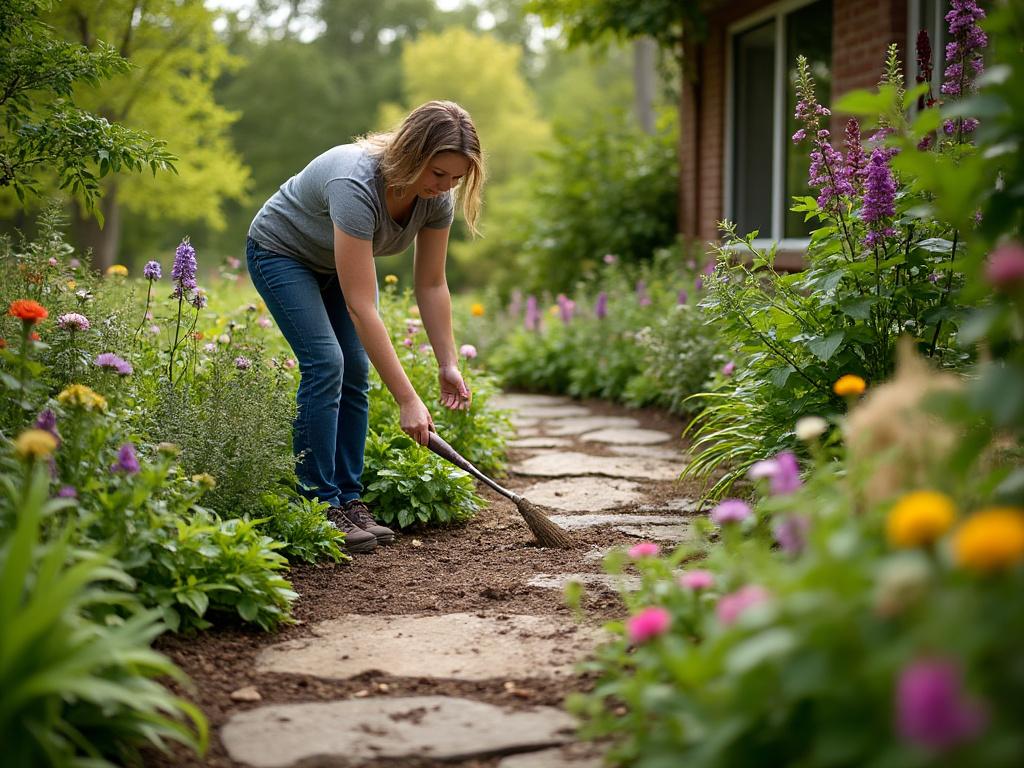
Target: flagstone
x,y
552,411
608,581
539,442
384,728
456,646
650,452
573,464
580,425
514,401
582,522
620,436
584,494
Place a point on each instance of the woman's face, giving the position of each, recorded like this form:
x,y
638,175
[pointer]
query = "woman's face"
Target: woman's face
x,y
441,174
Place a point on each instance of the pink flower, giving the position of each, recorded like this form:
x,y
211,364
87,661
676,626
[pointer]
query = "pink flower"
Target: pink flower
x,y
697,579
728,368
782,470
1004,268
264,322
468,351
644,549
424,347
650,622
931,709
289,363
730,511
732,605
610,258
408,341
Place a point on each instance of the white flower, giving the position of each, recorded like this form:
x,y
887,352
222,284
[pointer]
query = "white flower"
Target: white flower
x,y
810,428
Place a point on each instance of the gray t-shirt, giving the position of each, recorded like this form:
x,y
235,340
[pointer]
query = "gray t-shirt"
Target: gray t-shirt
x,y
342,186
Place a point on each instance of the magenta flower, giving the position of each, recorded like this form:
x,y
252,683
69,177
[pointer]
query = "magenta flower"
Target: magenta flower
x,y
47,422
697,579
650,622
1004,267
644,549
791,533
532,319
468,351
243,363
152,270
931,709
68,492
127,461
408,341
730,511
73,321
855,162
731,606
782,470
879,201
963,54
682,298
601,307
111,362
566,308
728,368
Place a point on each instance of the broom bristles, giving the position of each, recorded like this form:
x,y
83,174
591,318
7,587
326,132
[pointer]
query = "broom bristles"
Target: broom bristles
x,y
547,533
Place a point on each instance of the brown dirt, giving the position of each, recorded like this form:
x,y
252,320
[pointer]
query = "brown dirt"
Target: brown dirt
x,y
480,566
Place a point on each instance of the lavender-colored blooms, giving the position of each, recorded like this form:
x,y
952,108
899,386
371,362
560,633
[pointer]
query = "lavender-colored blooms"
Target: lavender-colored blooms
x,y
855,162
152,270
879,201
68,492
243,363
730,511
111,361
73,321
682,298
782,470
566,308
698,284
791,533
610,258
184,271
532,320
127,461
47,422
931,709
601,307
516,304
728,368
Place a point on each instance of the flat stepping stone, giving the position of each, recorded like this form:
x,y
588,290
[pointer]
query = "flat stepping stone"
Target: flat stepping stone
x,y
512,401
620,436
365,730
591,494
582,522
552,411
458,646
606,581
650,452
549,758
580,425
539,442
519,423
682,504
572,464
670,534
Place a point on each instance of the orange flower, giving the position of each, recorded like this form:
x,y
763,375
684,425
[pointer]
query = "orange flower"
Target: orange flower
x,y
849,385
28,310
991,540
477,309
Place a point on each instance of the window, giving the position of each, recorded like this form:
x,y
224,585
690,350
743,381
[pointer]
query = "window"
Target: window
x,y
764,170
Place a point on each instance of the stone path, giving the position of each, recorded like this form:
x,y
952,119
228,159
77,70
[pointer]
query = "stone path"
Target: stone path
x,y
623,481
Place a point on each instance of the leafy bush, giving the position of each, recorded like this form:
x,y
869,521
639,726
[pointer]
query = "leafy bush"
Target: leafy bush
x,y
303,528
78,688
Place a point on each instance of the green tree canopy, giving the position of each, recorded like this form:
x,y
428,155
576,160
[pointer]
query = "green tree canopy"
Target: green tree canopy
x,y
46,124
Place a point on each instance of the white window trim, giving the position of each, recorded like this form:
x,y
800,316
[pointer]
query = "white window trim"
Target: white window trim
x,y
778,12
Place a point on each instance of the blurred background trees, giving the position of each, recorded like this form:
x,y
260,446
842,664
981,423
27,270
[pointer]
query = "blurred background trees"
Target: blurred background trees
x,y
245,92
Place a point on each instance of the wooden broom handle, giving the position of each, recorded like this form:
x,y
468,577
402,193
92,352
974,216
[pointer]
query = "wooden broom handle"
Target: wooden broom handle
x,y
438,445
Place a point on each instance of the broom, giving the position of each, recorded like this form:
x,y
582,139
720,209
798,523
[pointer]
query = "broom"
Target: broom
x,y
547,533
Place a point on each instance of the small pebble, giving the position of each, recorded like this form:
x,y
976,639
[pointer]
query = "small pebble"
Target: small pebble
x,y
417,543
383,687
249,693
509,685
361,694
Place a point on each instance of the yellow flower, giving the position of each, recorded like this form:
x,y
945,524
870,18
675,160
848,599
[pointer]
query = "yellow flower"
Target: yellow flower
x,y
849,385
35,444
477,309
71,285
991,540
919,518
117,270
84,397
205,480
391,279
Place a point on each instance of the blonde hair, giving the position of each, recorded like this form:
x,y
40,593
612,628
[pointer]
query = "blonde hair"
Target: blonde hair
x,y
435,127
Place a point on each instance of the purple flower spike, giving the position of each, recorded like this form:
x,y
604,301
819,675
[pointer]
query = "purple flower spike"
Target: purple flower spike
x,y
931,708
184,271
601,307
879,202
152,271
127,462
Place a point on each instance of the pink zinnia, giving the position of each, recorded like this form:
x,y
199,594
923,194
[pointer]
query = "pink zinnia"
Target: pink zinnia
x,y
650,622
468,351
698,579
732,605
644,549
1004,268
730,511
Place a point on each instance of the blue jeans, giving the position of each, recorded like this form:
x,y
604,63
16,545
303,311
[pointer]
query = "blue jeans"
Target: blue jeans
x,y
329,435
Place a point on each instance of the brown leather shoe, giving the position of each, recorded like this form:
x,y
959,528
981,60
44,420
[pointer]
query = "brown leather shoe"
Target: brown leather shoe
x,y
359,514
357,541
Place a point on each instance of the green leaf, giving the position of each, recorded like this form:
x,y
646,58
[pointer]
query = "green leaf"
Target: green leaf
x,y
824,347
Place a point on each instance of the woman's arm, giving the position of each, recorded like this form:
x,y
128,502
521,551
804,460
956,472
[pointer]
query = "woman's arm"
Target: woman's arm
x,y
354,261
435,305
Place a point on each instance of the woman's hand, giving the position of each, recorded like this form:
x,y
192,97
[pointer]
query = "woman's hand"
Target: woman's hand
x,y
415,420
455,395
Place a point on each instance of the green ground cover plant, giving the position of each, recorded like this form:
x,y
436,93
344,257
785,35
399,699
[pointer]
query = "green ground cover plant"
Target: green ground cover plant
x,y
860,607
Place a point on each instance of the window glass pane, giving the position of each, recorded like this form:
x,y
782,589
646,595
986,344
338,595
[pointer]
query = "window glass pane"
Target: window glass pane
x,y
808,33
753,97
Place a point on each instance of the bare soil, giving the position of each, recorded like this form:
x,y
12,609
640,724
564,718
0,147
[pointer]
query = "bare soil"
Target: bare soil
x,y
481,566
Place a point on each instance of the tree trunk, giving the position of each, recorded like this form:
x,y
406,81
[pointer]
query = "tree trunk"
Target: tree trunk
x,y
644,75
102,244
